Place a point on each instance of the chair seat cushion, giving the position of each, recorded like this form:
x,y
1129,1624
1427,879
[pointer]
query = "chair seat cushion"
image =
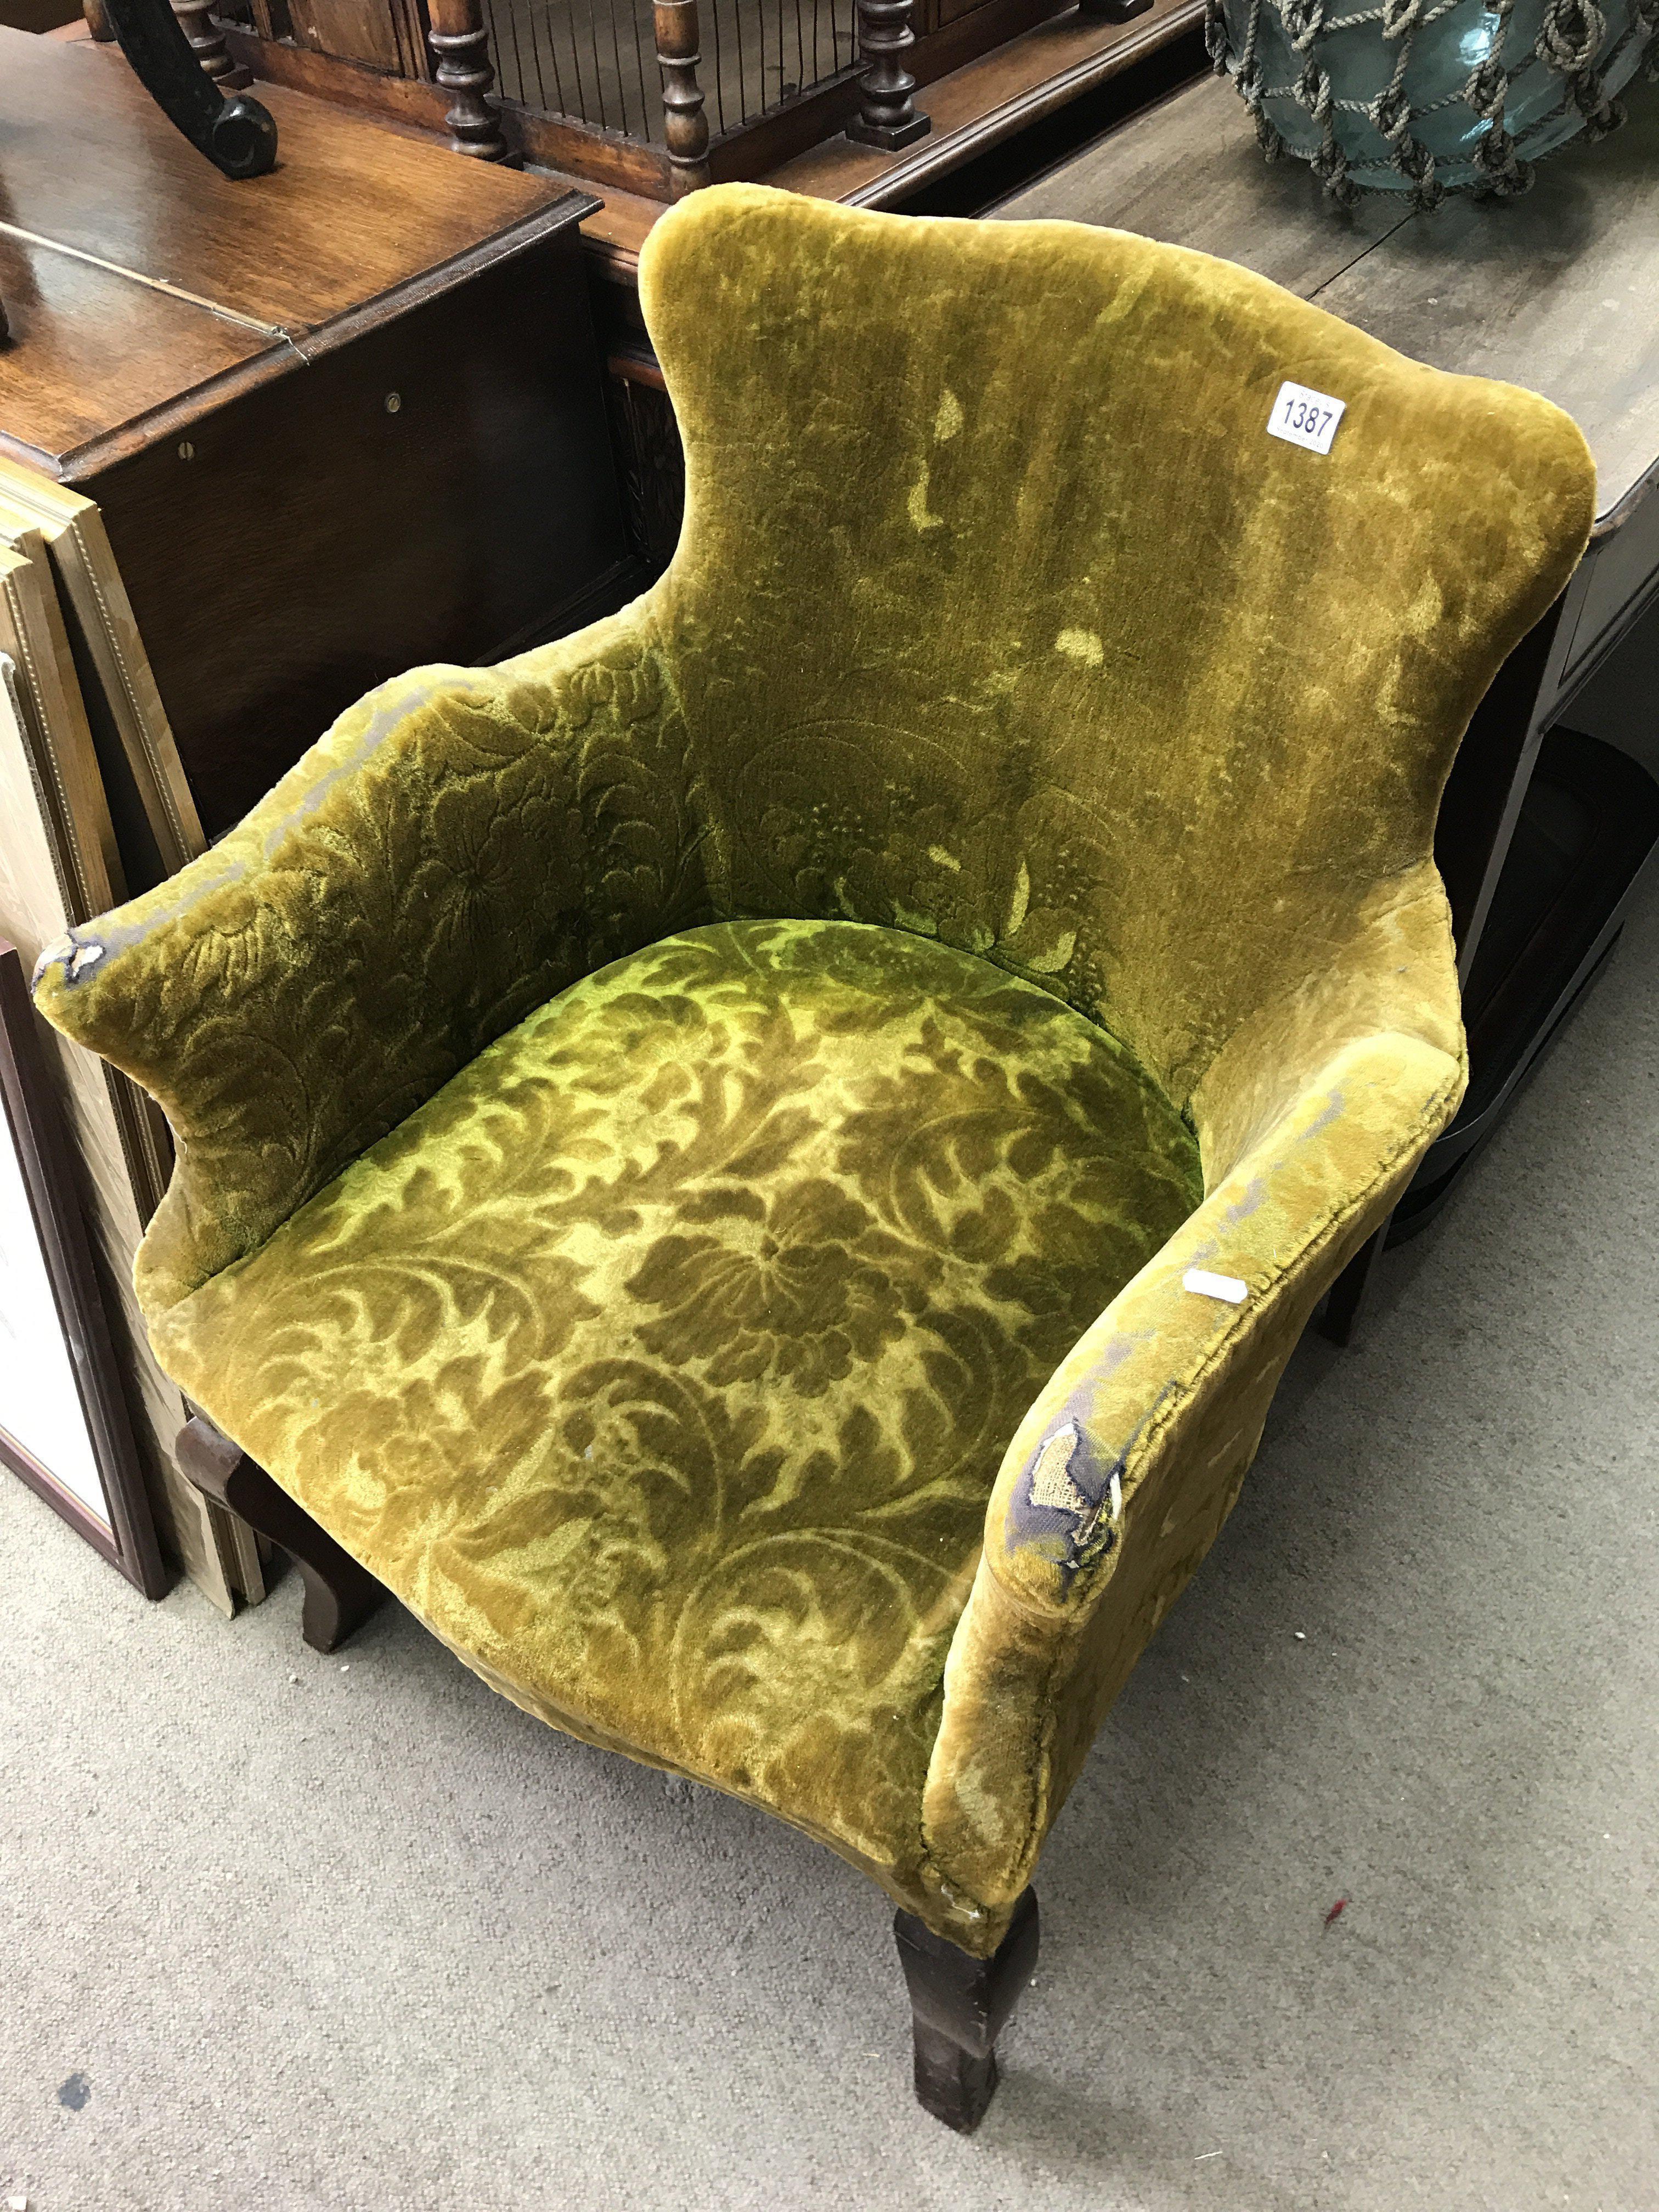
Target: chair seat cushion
x,y
663,1362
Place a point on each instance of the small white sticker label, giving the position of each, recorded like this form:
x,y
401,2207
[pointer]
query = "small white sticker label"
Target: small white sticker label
x,y
1306,418
1215,1286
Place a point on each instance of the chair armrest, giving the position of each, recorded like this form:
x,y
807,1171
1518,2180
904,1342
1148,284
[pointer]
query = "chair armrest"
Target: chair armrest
x,y
462,844
1121,1475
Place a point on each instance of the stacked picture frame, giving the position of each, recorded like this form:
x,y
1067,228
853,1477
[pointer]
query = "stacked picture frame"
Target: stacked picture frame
x,y
93,805
64,1427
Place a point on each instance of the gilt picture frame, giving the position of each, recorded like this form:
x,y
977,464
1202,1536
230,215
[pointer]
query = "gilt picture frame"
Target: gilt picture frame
x,y
142,774
56,870
64,1428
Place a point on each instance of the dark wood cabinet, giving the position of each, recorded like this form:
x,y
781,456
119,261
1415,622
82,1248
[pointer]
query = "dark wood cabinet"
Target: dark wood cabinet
x,y
341,420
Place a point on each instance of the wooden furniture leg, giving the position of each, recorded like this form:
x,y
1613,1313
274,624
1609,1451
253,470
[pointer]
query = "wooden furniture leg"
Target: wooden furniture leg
x,y
1346,1299
340,1595
887,115
961,2005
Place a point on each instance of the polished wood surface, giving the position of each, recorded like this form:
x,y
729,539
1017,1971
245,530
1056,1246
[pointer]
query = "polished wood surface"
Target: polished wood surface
x,y
349,215
92,351
146,288
1555,291
336,428
346,79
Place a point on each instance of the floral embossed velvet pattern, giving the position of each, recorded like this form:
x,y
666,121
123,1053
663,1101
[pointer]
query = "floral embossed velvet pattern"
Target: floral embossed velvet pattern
x,y
1000,626
664,1362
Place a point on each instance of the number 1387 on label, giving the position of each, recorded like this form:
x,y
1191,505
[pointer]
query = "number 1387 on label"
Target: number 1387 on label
x,y
1306,418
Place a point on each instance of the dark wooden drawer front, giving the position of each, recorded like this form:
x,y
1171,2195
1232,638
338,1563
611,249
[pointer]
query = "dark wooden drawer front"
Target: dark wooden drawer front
x,y
317,542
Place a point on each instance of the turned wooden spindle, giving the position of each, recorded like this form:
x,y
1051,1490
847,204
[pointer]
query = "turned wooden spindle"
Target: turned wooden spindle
x,y
206,43
460,42
685,127
887,116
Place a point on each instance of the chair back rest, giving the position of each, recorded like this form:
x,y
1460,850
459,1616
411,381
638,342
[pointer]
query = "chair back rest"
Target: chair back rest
x,y
1001,614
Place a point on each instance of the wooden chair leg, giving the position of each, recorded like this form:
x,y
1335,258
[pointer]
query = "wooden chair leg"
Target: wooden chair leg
x,y
961,2005
1346,1301
340,1595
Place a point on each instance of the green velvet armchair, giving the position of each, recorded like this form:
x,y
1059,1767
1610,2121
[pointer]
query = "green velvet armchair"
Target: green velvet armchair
x,y
707,1153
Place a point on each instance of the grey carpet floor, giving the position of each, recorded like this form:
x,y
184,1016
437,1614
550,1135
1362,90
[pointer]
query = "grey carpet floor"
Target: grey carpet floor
x,y
280,1932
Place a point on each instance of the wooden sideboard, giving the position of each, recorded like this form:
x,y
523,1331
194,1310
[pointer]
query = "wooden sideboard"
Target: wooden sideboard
x,y
341,420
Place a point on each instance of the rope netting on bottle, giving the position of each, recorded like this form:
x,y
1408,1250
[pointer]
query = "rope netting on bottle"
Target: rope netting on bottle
x,y
1569,45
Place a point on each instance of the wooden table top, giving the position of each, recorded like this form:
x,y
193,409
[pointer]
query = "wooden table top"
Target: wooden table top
x,y
134,273
1558,291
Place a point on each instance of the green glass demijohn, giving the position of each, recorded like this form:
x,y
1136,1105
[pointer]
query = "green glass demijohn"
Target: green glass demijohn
x,y
1430,96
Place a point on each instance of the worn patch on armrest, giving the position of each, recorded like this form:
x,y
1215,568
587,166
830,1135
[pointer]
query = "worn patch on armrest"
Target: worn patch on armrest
x,y
1068,1501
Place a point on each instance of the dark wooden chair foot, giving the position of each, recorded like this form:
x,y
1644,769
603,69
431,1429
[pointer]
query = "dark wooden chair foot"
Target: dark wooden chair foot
x,y
960,2006
340,1595
950,2084
1345,1300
